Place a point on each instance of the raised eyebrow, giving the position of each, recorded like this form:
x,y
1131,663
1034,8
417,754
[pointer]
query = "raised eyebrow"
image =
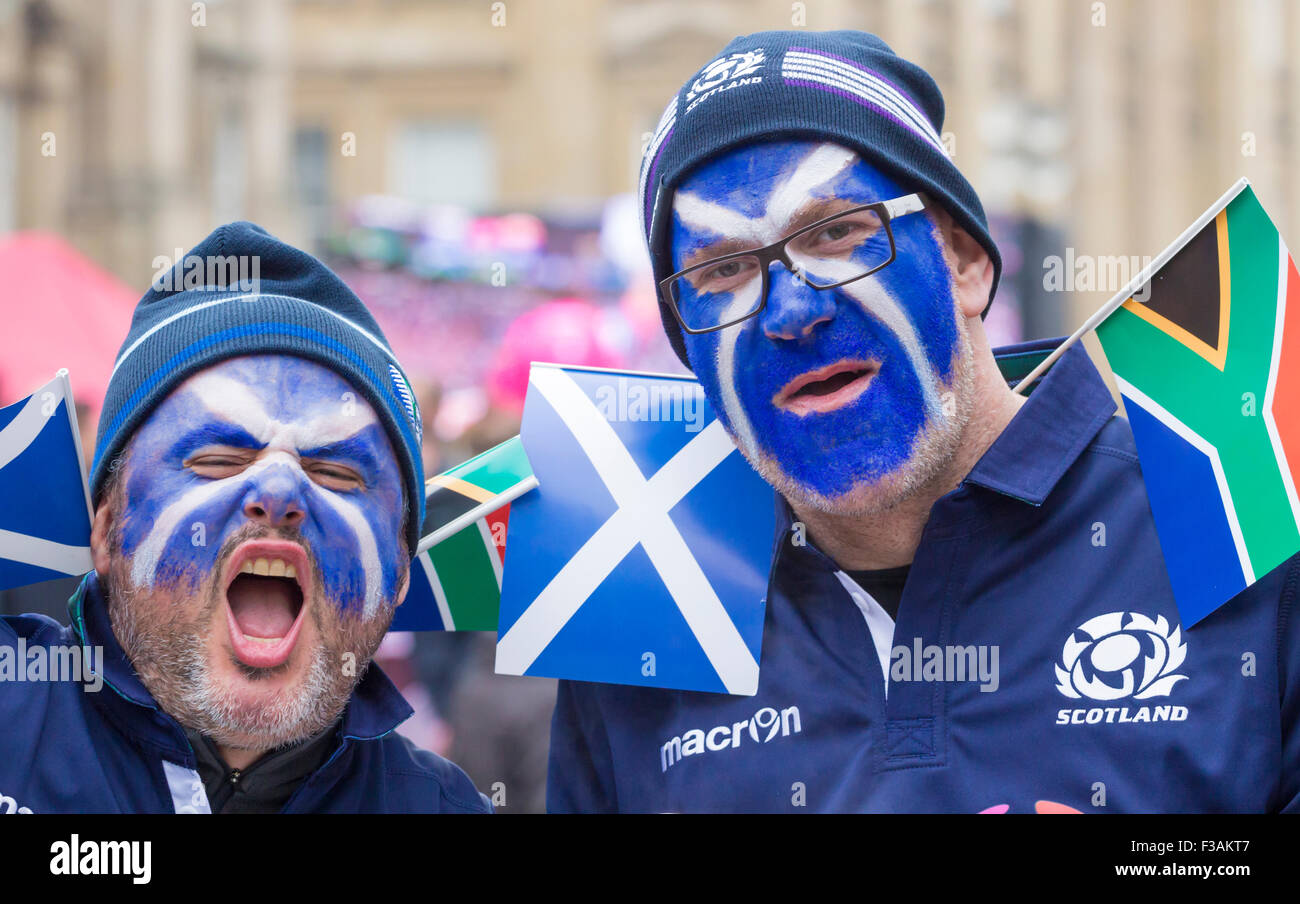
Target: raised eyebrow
x,y
215,433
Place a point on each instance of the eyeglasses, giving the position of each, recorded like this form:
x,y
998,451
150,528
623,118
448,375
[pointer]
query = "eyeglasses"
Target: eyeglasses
x,y
839,249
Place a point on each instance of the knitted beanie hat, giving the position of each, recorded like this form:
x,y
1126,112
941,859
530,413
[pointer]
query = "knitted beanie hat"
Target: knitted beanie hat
x,y
843,86
241,291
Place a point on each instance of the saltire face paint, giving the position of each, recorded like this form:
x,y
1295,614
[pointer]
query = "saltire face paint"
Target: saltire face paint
x,y
283,441
900,325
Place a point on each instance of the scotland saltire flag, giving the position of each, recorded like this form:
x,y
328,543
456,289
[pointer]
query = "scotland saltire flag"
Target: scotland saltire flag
x,y
1207,358
44,502
642,558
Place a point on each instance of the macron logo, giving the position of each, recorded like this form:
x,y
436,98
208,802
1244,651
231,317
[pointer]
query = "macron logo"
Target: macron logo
x,y
765,725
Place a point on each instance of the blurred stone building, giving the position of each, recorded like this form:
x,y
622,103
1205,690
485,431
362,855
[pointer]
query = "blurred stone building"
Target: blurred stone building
x,y
134,126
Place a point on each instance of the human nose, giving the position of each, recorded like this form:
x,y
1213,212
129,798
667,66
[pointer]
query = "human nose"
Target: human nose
x,y
275,497
794,308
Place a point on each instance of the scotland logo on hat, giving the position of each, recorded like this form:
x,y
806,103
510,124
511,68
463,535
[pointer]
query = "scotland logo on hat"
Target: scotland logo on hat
x,y
724,73
403,390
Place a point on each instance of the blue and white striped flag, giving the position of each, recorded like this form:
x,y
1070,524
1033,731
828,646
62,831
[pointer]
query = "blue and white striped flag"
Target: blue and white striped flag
x,y
643,556
44,501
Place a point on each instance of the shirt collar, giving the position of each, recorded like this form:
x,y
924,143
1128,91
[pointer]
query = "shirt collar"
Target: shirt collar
x,y
1052,428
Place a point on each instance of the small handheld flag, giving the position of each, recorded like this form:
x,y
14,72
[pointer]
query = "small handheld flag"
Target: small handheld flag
x,y
1209,369
1205,347
45,515
456,575
643,556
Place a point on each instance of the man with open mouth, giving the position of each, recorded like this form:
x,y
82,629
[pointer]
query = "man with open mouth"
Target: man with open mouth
x,y
968,609
258,493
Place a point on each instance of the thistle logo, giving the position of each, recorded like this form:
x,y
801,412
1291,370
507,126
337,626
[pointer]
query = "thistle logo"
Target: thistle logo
x,y
724,74
1121,655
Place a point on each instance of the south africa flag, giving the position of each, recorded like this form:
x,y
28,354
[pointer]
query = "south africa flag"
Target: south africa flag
x,y
456,575
1209,368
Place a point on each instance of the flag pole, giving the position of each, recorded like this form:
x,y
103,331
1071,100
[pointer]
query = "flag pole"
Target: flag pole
x,y
456,525
1134,284
62,376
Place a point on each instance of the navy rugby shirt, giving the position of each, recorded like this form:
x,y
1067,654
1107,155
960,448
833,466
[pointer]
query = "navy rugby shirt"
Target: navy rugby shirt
x,y
1044,568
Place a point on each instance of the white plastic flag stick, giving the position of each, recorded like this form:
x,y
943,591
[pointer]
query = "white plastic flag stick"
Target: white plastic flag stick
x,y
76,438
460,522
1134,284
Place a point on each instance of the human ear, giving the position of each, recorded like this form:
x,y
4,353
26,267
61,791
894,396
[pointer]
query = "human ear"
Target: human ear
x,y
968,262
99,547
406,585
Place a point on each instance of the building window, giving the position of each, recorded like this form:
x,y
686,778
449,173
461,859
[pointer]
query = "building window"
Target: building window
x,y
443,162
229,173
311,175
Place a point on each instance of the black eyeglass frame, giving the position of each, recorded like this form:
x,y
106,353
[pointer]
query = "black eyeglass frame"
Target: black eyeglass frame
x,y
888,211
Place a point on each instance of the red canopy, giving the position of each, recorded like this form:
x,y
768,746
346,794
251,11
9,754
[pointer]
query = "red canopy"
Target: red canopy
x,y
58,309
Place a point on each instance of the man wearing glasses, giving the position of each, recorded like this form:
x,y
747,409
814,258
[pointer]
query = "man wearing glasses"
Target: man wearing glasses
x,y
943,629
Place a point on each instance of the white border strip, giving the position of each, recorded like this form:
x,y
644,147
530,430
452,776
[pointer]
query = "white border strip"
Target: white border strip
x,y
439,595
1151,407
1283,266
490,545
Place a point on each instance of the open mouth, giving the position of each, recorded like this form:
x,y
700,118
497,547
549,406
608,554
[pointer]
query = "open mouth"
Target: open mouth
x,y
827,388
266,588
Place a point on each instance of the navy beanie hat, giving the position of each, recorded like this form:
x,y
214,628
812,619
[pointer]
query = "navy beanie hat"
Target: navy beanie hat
x,y
843,86
201,312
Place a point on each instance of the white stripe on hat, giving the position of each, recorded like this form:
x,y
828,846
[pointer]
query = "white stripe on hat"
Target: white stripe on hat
x,y
666,122
860,83
244,298
865,79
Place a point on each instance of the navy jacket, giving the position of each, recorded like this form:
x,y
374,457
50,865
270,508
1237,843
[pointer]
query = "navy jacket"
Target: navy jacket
x,y
66,749
1038,664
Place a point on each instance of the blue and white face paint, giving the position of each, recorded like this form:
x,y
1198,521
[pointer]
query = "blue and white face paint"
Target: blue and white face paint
x,y
255,549
845,399
272,441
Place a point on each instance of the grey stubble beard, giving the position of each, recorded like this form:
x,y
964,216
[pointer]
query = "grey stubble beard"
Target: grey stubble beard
x,y
168,649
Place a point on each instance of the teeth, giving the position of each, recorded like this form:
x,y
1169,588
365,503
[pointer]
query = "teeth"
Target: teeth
x,y
276,568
